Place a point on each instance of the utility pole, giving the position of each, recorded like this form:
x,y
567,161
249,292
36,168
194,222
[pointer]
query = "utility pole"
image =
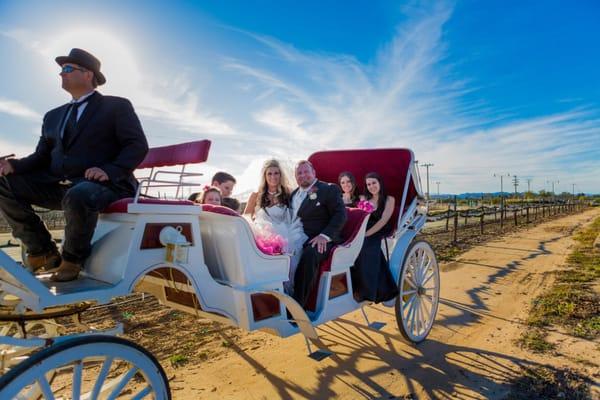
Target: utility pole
x,y
501,176
572,184
529,185
515,184
553,182
438,188
427,165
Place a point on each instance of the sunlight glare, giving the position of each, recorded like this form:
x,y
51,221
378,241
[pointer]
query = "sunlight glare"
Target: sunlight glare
x,y
118,61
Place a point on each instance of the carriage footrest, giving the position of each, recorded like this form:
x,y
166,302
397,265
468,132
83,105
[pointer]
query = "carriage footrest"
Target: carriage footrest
x,y
320,355
377,325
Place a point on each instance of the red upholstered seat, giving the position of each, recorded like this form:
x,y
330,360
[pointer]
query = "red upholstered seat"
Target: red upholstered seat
x,y
176,154
166,156
349,232
392,164
120,206
219,210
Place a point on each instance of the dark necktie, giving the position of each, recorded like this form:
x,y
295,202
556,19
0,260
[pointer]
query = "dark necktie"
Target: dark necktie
x,y
71,125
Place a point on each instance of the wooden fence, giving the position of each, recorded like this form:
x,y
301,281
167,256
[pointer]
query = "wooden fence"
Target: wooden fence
x,y
453,219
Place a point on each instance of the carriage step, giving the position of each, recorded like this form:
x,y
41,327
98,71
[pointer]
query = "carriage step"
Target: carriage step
x,y
320,355
376,325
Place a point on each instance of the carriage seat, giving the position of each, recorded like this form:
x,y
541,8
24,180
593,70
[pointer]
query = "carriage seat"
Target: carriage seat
x,y
120,206
230,251
342,256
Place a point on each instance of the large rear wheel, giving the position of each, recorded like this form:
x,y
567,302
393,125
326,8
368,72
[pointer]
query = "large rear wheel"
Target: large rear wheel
x,y
88,367
419,287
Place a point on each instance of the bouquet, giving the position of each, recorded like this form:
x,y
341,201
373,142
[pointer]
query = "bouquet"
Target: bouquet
x,y
271,244
365,205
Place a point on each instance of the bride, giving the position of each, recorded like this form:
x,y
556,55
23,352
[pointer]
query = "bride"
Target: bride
x,y
272,216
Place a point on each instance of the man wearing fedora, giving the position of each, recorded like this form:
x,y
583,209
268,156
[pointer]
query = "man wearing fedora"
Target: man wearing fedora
x,y
84,161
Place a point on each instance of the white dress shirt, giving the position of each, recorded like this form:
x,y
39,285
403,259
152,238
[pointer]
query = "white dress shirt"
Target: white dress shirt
x,y
299,198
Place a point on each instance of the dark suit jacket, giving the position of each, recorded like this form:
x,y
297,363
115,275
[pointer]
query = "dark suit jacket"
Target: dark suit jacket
x,y
324,214
109,136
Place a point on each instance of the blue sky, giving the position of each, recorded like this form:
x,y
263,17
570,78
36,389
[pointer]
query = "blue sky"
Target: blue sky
x,y
475,88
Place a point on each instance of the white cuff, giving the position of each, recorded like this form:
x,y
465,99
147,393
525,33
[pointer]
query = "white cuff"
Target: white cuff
x,y
325,236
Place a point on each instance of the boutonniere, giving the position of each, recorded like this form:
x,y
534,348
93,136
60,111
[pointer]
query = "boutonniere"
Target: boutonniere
x,y
313,193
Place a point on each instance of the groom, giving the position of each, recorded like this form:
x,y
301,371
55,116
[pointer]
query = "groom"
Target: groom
x,y
320,207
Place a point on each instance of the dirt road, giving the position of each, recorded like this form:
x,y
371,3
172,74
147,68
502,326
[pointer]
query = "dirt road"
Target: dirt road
x,y
469,354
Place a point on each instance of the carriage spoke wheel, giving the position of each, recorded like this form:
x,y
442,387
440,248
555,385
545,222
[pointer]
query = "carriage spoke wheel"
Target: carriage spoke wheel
x,y
419,287
89,367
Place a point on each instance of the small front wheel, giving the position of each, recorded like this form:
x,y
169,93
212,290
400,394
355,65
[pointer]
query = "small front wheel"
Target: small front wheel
x,y
419,287
87,367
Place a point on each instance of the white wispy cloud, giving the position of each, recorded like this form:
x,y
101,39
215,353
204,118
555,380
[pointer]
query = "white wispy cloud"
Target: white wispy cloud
x,y
277,100
18,109
407,98
171,100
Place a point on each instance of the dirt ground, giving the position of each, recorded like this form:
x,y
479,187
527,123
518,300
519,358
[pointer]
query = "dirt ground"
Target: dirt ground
x,y
470,353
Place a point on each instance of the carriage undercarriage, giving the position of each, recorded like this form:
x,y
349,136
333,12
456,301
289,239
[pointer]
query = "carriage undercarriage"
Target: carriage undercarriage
x,y
219,274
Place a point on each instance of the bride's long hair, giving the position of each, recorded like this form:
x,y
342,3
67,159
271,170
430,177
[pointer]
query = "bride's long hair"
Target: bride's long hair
x,y
263,187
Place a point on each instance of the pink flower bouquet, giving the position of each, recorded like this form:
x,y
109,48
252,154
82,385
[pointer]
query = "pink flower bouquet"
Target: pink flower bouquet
x,y
272,244
365,205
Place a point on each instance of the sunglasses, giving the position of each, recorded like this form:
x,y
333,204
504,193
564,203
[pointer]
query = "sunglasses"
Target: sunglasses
x,y
67,69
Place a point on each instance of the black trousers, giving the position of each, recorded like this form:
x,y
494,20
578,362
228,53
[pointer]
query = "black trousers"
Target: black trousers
x,y
307,273
80,202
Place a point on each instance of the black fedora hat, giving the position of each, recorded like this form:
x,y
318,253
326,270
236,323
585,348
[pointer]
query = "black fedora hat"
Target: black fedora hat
x,y
86,60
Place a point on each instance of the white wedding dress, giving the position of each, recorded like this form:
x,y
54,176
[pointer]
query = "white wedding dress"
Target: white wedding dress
x,y
279,220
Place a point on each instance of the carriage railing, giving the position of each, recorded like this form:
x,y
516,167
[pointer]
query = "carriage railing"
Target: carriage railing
x,y
415,215
147,183
152,182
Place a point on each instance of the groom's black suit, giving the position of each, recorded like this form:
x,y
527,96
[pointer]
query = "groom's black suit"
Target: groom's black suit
x,y
322,212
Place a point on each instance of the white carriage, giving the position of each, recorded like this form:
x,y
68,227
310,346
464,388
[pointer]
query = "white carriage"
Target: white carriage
x,y
202,260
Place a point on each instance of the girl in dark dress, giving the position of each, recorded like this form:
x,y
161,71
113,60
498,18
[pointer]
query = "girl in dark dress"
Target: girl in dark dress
x,y
371,276
349,189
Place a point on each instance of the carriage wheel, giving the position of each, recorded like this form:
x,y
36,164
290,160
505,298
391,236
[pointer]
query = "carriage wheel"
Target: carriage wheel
x,y
87,367
419,286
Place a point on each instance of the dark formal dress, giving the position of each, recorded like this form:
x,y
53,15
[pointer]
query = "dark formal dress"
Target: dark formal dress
x,y
371,276
321,211
353,202
107,135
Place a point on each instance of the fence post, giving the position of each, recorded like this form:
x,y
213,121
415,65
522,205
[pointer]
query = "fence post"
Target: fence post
x,y
501,212
448,217
455,222
515,215
482,216
528,221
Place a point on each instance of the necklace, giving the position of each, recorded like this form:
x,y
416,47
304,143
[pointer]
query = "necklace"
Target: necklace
x,y
277,193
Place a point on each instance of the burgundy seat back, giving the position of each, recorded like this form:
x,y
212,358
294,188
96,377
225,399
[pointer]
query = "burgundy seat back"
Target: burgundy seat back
x,y
219,210
355,217
176,154
392,164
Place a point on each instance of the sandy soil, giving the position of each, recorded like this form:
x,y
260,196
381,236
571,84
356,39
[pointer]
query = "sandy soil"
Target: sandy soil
x,y
469,354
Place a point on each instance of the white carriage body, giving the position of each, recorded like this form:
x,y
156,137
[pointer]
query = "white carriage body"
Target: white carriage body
x,y
224,276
